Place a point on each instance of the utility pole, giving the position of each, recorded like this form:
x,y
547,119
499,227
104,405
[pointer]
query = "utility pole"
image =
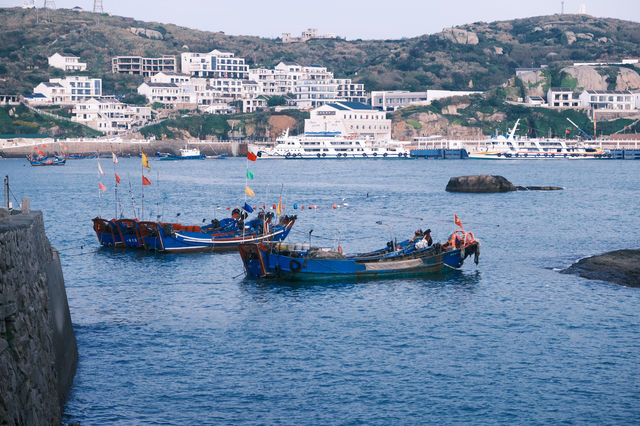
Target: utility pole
x,y
97,6
562,8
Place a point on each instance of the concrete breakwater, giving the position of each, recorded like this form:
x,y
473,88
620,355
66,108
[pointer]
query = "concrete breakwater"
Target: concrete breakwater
x,y
22,147
38,352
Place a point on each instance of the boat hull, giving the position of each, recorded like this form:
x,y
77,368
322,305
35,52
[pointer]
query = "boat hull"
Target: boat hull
x,y
265,261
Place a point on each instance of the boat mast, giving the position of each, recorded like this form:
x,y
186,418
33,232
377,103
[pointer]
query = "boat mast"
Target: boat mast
x,y
6,190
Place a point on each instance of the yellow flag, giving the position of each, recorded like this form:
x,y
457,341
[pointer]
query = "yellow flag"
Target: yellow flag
x,y
279,209
145,160
249,191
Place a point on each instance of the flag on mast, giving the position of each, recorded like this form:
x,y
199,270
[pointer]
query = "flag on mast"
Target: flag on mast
x,y
145,181
456,220
145,161
249,174
251,156
102,187
249,191
117,178
279,208
100,168
115,158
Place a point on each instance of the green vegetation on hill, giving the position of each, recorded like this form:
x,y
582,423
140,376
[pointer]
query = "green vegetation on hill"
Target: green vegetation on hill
x,y
479,55
19,120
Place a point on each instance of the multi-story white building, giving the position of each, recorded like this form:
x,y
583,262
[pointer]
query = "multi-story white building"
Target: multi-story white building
x,y
170,95
562,97
215,64
137,65
309,34
69,90
310,86
110,116
391,100
67,62
171,77
351,119
608,100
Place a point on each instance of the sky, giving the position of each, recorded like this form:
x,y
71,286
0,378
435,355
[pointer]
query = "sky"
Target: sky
x,y
350,19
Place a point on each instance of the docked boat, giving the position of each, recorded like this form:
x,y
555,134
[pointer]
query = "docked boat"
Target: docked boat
x,y
515,148
221,235
332,145
184,154
417,256
43,160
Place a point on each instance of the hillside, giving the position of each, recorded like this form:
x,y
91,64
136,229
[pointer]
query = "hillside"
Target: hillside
x,y
479,55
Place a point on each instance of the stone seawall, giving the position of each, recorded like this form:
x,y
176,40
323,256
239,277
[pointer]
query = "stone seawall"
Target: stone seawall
x,y
38,353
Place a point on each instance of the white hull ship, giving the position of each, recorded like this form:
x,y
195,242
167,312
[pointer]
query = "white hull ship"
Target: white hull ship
x,y
512,148
333,145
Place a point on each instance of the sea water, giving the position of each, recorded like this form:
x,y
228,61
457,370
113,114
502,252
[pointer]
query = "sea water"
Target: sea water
x,y
187,339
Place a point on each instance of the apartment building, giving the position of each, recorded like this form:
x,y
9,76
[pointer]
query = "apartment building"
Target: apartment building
x,y
608,100
67,62
215,64
350,119
146,67
170,95
69,90
110,116
562,97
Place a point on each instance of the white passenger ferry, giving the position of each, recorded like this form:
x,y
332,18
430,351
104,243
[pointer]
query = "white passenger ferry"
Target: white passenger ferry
x,y
333,145
513,148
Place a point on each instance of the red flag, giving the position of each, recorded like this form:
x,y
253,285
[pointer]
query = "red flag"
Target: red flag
x,y
40,152
117,178
35,148
456,220
568,131
102,187
251,156
145,181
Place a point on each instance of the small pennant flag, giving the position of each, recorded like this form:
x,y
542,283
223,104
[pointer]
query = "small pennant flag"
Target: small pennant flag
x,y
456,220
100,169
249,191
251,156
117,178
102,187
41,152
247,208
145,161
145,181
249,174
115,158
279,209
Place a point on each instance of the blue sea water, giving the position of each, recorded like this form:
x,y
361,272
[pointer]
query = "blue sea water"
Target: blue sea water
x,y
186,339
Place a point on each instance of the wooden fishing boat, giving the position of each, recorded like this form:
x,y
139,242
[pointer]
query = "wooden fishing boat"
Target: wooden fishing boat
x,y
42,160
416,256
177,238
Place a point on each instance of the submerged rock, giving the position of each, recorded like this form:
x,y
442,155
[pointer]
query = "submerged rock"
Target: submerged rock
x,y
620,266
490,184
479,184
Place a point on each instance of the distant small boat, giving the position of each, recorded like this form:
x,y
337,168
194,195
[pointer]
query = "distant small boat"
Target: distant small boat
x,y
411,257
185,154
81,156
217,157
42,160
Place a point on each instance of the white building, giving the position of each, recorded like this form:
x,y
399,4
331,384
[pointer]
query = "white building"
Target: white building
x,y
215,64
110,116
309,86
535,100
67,62
137,65
351,119
391,100
170,95
69,90
608,100
309,34
562,97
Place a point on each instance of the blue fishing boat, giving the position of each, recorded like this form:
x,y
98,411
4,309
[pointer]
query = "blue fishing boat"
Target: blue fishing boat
x,y
416,256
221,235
43,160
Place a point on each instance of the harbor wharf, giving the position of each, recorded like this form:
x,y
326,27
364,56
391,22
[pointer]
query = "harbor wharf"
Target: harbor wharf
x,y
38,351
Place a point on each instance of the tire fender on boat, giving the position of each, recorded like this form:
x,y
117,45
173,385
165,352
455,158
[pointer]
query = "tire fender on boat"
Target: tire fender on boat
x,y
294,265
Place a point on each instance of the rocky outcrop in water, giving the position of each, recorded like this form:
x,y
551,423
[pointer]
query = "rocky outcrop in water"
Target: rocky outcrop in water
x,y
620,266
38,353
490,184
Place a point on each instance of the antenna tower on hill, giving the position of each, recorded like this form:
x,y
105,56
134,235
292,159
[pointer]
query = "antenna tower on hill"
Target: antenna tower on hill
x,y
97,6
49,4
